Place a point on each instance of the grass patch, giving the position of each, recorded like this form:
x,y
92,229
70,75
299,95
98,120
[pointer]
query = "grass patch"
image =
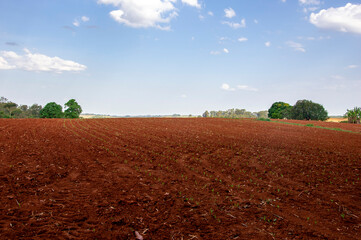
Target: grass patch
x,y
311,125
264,119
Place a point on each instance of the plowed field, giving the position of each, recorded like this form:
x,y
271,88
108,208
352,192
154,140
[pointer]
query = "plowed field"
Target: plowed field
x,y
178,179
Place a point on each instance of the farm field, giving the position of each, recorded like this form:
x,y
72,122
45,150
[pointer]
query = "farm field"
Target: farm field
x,y
194,178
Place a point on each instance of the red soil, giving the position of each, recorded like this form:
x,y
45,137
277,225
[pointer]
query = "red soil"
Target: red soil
x,y
177,179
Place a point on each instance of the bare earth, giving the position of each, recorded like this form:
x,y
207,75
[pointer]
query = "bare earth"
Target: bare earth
x,y
178,179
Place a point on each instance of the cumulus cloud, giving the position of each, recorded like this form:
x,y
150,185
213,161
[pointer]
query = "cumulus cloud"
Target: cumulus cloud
x,y
227,87
143,13
215,52
309,2
235,25
225,50
352,66
37,62
229,13
210,13
77,21
192,3
242,39
267,44
4,65
296,46
343,19
246,88
85,18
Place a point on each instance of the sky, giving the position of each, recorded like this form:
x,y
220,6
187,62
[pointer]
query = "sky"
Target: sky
x,y
139,57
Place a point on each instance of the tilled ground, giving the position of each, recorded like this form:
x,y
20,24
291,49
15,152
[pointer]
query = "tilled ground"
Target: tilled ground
x,y
178,179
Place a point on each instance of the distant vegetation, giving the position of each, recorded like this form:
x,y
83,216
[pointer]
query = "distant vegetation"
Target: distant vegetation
x,y
10,109
302,110
235,113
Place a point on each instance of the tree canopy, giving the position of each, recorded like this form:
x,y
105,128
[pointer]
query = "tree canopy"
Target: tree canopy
x,y
308,110
51,110
73,109
279,110
354,115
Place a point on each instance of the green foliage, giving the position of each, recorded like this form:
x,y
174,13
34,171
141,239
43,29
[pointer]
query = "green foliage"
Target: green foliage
x,y
232,113
205,114
34,111
262,114
279,110
51,110
73,109
308,110
10,109
354,115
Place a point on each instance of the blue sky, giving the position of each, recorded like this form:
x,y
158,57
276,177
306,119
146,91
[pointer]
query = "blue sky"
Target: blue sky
x,y
181,56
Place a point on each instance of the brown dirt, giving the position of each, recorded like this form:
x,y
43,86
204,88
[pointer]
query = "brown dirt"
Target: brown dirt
x,y
177,179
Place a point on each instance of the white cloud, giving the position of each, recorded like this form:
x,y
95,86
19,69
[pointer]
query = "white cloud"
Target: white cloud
x,y
309,2
229,13
183,96
352,66
210,13
215,53
201,17
247,88
76,23
193,3
85,18
4,65
235,25
337,77
37,62
283,1
225,50
226,87
143,13
242,39
267,44
343,19
296,46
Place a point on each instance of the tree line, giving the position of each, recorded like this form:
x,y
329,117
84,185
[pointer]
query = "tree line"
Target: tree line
x,y
302,110
235,113
9,109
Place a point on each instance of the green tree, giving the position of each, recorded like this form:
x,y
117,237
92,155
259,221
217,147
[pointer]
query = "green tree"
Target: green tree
x,y
262,114
34,110
308,110
73,109
10,108
279,110
51,110
354,115
205,114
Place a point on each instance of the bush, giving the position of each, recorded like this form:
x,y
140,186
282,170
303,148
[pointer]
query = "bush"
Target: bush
x,y
279,110
308,110
354,115
73,109
51,110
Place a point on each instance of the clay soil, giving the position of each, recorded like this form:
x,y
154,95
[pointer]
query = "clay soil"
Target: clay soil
x,y
177,179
